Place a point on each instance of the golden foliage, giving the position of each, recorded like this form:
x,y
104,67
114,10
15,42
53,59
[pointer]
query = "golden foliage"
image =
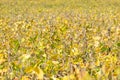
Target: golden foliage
x,y
59,40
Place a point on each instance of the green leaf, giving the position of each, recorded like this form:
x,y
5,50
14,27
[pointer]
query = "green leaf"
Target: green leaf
x,y
118,44
32,39
104,48
16,45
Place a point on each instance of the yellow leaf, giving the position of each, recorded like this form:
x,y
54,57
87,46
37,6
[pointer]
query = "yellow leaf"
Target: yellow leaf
x,y
97,38
25,78
23,39
24,57
65,78
44,55
2,60
69,77
39,73
55,62
75,51
29,69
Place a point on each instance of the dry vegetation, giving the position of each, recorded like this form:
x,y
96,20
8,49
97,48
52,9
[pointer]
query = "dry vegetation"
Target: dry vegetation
x,y
59,40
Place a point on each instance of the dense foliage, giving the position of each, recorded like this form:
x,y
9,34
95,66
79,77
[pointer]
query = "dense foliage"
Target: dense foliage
x,y
59,40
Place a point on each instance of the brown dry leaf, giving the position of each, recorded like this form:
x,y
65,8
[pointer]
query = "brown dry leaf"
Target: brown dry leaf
x,y
81,74
16,78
